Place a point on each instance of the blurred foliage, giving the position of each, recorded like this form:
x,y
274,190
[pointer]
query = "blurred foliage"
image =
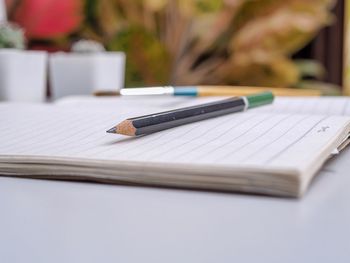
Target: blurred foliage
x,y
11,36
151,65
239,42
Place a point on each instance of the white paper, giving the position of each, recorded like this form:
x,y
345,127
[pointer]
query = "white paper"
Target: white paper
x,y
251,150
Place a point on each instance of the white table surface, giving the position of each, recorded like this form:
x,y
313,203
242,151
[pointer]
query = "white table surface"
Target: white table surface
x,y
52,221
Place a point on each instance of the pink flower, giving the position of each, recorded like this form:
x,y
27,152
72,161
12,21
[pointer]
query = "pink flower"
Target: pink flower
x,y
48,18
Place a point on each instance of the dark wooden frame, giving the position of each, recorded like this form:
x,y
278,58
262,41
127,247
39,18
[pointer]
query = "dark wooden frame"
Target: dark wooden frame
x,y
327,47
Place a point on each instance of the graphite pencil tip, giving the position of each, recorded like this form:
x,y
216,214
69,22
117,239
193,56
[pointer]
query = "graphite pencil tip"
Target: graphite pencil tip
x,y
112,130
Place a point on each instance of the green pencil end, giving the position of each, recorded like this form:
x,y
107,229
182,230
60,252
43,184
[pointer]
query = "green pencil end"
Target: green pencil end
x,y
260,99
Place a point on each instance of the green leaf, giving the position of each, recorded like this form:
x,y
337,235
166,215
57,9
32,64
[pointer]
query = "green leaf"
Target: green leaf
x,y
310,68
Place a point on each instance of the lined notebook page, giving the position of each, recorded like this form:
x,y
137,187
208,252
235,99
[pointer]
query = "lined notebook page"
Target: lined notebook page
x,y
126,104
299,105
309,105
262,140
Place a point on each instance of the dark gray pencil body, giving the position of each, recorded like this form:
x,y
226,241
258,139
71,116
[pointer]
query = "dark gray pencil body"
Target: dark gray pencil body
x,y
165,120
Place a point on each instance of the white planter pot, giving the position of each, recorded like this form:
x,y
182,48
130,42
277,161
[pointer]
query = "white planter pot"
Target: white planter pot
x,y
23,75
3,16
84,73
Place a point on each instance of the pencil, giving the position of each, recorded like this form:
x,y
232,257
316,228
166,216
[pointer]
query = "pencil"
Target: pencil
x,y
165,120
200,91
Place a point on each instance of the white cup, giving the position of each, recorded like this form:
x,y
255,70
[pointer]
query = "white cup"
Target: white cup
x,y
85,73
23,75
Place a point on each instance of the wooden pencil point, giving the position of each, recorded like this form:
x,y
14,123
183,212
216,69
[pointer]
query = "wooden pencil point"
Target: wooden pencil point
x,y
126,127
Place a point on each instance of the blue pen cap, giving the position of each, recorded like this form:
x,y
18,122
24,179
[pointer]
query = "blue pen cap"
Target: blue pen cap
x,y
186,91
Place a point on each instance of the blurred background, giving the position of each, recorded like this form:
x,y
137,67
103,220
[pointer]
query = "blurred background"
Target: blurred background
x,y
284,43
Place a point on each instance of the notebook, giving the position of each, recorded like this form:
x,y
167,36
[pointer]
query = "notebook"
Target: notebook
x,y
274,150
